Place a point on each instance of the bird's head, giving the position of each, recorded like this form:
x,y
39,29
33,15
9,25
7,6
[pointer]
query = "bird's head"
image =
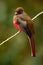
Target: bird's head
x,y
19,11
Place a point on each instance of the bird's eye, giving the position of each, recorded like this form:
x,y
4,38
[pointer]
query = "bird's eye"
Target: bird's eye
x,y
20,12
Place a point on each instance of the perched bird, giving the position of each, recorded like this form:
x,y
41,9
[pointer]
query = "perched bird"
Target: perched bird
x,y
24,23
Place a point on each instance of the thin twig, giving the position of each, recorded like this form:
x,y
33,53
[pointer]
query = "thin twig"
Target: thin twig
x,y
10,37
19,31
37,15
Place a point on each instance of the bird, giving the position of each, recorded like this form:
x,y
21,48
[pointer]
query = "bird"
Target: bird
x,y
23,22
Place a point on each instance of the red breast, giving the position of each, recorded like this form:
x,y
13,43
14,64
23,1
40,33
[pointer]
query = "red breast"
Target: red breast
x,y
17,26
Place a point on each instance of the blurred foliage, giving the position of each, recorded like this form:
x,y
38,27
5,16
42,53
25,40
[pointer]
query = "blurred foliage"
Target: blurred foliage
x,y
17,50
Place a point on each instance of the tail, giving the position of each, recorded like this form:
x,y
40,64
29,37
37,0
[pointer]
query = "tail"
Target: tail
x,y
32,44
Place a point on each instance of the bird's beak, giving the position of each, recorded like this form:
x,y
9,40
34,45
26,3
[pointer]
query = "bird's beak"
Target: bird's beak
x,y
15,13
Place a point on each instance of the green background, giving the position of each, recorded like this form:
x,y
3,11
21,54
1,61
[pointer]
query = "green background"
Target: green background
x,y
17,50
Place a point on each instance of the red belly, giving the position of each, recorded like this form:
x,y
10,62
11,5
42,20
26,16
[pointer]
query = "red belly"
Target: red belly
x,y
17,26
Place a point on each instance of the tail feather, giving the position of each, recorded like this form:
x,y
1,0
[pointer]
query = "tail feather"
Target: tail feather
x,y
32,44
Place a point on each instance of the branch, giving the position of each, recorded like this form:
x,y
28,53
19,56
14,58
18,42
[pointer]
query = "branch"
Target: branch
x,y
19,31
10,37
37,15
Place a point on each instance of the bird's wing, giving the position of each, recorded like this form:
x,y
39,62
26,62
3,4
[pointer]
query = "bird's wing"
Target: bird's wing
x,y
30,25
29,21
